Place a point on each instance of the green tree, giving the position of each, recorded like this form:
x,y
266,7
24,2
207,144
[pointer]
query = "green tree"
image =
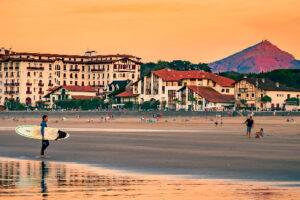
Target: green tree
x,y
128,105
14,105
293,99
266,99
193,100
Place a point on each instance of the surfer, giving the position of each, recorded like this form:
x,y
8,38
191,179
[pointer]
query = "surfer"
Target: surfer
x,y
45,143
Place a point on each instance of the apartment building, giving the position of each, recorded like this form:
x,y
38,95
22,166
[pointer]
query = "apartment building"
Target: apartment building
x,y
26,77
164,85
250,91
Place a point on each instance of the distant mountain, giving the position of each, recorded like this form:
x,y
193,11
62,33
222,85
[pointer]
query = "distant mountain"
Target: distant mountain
x,y
262,57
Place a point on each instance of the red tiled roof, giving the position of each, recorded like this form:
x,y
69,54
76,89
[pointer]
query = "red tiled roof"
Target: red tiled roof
x,y
211,95
83,97
54,88
168,74
126,94
75,88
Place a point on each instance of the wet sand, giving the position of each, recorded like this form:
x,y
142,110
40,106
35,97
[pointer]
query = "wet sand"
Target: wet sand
x,y
27,180
194,148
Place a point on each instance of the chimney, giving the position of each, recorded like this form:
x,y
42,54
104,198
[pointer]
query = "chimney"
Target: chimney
x,y
277,84
263,80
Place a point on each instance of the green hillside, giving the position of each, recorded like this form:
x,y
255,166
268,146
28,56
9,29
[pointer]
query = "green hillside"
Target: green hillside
x,y
287,77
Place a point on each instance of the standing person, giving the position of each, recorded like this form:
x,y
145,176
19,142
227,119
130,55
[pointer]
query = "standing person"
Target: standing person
x,y
45,143
250,124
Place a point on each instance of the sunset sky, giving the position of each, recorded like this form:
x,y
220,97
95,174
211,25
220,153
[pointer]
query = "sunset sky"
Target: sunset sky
x,y
194,30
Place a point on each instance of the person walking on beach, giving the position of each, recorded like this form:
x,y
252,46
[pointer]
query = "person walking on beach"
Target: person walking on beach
x,y
250,124
45,143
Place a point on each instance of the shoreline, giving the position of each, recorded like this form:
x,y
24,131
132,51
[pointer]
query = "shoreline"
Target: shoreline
x,y
63,180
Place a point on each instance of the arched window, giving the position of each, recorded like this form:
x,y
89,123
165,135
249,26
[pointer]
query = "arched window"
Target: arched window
x,y
28,101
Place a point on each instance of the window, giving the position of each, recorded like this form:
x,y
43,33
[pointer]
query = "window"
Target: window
x,y
64,75
28,74
71,75
83,68
82,76
132,76
252,95
75,82
50,67
227,90
288,96
114,75
65,83
247,95
163,89
223,90
171,96
65,67
82,83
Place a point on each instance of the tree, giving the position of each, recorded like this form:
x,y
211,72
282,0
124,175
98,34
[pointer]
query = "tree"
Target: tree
x,y
183,65
14,105
243,101
292,100
128,105
266,99
193,100
177,101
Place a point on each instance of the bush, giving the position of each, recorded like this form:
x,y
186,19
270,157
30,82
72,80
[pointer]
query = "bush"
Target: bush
x,y
84,104
128,105
14,105
150,105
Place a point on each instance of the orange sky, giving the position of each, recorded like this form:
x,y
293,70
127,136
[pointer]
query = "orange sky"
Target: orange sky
x,y
195,30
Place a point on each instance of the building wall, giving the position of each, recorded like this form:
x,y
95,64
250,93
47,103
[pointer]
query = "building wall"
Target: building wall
x,y
154,87
59,72
247,91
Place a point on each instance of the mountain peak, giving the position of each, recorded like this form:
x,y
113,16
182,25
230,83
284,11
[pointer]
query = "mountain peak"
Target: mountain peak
x,y
261,57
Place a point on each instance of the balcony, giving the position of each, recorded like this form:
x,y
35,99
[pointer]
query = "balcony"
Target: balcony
x,y
28,92
11,92
74,70
41,84
29,84
97,85
35,68
11,84
41,92
97,70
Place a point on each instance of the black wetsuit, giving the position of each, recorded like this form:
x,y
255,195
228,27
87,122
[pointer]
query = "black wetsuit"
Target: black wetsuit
x,y
45,143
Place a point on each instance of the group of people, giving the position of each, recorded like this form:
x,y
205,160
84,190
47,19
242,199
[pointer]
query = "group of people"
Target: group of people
x,y
250,124
45,143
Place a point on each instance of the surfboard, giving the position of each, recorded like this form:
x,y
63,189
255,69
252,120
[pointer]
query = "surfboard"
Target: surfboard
x,y
34,132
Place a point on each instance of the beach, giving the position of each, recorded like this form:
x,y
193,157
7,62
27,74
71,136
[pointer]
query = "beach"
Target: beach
x,y
217,160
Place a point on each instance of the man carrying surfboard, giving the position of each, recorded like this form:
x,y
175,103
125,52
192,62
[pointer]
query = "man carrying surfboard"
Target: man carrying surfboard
x,y
45,143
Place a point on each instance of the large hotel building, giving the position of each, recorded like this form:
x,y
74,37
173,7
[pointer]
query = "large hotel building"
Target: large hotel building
x,y
26,77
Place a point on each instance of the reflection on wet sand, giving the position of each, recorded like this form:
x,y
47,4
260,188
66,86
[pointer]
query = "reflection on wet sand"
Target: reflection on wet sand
x,y
24,179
